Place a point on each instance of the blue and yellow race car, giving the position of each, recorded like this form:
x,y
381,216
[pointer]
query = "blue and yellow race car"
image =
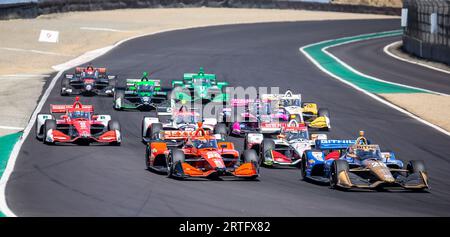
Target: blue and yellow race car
x,y
347,164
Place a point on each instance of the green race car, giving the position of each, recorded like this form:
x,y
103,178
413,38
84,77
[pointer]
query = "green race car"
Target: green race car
x,y
200,87
141,94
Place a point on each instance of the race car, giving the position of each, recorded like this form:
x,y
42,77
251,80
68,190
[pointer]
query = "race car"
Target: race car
x,y
347,164
303,112
88,81
78,125
201,155
142,94
259,116
199,87
182,119
288,147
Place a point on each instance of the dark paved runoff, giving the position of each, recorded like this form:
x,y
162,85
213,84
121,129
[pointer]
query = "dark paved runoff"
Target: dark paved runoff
x,y
112,181
368,57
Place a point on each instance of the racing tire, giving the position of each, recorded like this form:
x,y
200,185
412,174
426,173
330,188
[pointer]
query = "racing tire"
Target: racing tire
x,y
267,144
118,94
114,126
154,131
65,83
416,166
250,156
221,129
147,157
323,112
39,133
337,167
49,124
176,156
112,86
303,168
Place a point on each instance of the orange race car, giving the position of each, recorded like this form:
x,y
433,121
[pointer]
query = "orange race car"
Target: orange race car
x,y
201,155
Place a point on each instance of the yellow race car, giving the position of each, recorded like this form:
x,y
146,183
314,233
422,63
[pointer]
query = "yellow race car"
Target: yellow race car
x,y
302,112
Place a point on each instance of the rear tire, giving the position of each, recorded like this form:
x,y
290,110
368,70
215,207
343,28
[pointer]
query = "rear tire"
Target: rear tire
x,y
65,83
337,168
49,124
250,156
154,130
221,129
323,112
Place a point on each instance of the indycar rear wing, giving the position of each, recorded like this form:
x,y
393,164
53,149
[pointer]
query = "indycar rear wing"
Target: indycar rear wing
x,y
190,76
64,108
333,144
132,81
179,135
100,69
286,96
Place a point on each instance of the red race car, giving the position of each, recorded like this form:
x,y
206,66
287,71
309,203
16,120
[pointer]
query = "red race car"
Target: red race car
x,y
201,155
88,81
78,125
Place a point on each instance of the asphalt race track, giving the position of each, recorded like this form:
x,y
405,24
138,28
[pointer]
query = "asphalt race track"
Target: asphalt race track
x,y
113,181
368,57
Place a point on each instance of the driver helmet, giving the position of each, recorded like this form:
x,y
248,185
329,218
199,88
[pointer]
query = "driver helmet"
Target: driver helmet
x,y
90,69
77,114
144,76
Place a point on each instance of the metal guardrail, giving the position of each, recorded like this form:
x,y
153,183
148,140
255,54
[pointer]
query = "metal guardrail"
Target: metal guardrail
x,y
424,36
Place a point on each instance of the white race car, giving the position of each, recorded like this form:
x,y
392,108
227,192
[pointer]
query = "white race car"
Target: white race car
x,y
287,149
182,120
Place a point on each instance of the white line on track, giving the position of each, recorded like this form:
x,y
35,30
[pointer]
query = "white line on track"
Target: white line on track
x,y
22,76
386,51
102,29
373,96
324,50
10,128
35,51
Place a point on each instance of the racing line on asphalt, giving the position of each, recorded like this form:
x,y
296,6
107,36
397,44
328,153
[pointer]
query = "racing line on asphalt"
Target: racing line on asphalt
x,y
112,181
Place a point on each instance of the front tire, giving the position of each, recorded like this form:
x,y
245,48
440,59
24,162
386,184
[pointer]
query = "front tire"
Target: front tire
x,y
147,157
119,96
176,156
303,168
268,145
338,167
114,126
48,124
